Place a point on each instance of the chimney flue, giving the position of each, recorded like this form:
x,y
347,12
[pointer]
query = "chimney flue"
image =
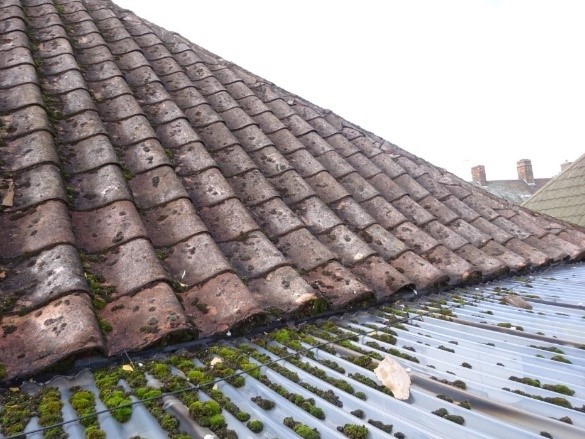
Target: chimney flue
x,y
524,168
478,175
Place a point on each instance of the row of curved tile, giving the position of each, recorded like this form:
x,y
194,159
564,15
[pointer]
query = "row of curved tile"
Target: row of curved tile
x,y
161,190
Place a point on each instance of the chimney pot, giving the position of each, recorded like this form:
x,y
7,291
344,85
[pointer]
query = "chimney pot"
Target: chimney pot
x,y
524,168
478,175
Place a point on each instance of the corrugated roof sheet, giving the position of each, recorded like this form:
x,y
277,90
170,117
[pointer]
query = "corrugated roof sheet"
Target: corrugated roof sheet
x,y
153,191
564,196
504,359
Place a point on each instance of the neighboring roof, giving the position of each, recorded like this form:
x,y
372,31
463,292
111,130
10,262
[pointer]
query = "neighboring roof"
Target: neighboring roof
x,y
515,191
504,359
564,196
160,192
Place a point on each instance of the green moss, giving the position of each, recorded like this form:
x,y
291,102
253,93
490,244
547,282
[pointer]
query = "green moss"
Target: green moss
x,y
17,408
266,404
2,371
105,326
306,432
561,359
379,424
216,421
255,425
505,325
49,412
526,380
559,388
354,431
83,402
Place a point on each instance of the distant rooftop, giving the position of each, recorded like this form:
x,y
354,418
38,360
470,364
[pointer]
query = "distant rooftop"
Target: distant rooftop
x,y
564,196
515,191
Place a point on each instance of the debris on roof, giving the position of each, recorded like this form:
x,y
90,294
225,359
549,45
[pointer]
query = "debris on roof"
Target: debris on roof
x,y
479,368
161,194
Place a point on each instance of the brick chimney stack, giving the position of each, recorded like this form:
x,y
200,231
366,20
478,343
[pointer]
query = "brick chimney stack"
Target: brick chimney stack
x,y
524,168
478,175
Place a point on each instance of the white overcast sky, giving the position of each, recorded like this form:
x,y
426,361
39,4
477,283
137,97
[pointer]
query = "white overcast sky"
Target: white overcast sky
x,y
456,82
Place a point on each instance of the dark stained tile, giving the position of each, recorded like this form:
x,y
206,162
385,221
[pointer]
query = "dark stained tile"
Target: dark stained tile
x,y
98,230
173,222
208,188
511,228
382,241
228,220
470,233
233,161
458,269
352,213
37,185
270,161
346,245
381,277
32,282
338,285
490,266
24,121
195,260
460,208
415,239
283,289
219,304
285,141
438,209
511,259
384,213
363,165
412,210
490,229
87,154
445,235
387,187
127,268
129,131
533,256
18,97
292,187
303,249
359,188
252,188
335,164
61,329
316,144
27,151
141,320
328,189
156,187
305,163
389,166
97,188
316,215
275,218
34,229
252,255
191,159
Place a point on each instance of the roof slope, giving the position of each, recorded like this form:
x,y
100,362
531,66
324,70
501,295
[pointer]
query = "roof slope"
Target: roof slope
x,y
564,196
160,190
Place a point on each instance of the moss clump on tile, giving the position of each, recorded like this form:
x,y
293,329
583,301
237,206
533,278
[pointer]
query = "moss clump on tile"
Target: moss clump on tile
x,y
354,431
112,395
255,426
443,413
16,412
553,349
561,359
266,404
301,429
105,326
83,402
49,412
2,371
466,365
526,380
379,424
559,388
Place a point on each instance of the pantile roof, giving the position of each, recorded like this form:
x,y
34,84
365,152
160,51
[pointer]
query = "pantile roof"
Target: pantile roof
x,y
515,191
564,196
153,191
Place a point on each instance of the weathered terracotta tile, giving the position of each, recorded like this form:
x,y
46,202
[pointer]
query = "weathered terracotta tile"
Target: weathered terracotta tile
x,y
127,268
303,249
40,278
59,330
219,304
346,245
283,289
490,267
316,215
155,187
143,319
252,255
34,229
195,260
339,286
420,272
103,228
383,278
458,269
228,220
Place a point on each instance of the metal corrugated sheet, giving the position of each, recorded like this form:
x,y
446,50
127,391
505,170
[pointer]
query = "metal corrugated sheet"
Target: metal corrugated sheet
x,y
506,363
